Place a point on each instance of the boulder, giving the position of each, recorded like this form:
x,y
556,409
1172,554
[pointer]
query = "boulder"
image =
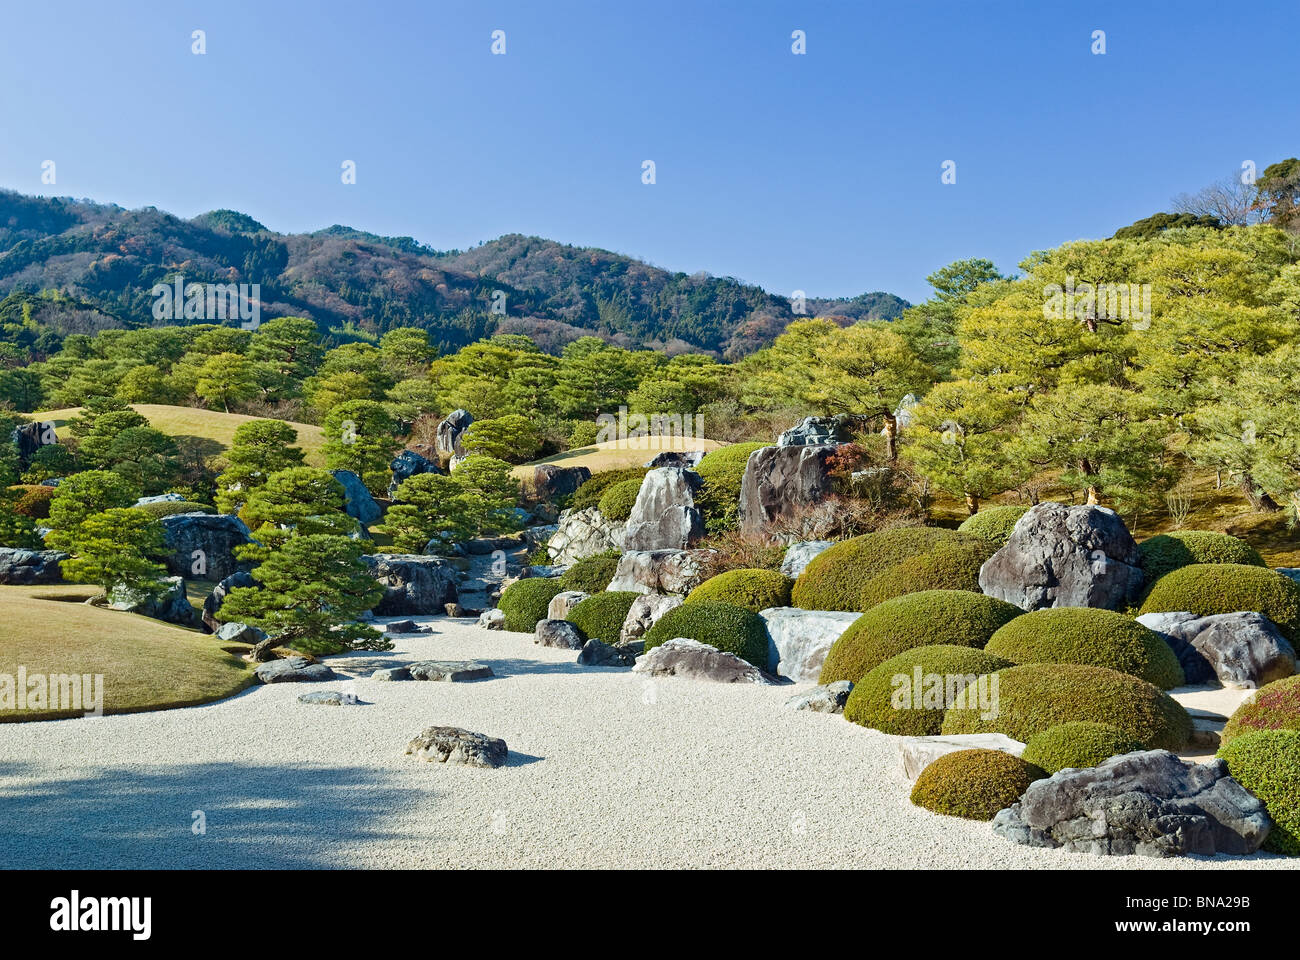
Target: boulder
x,y
687,459
826,699
293,670
454,745
798,640
1235,649
659,571
404,626
212,605
582,533
447,437
451,671
160,498
550,480
917,753
414,584
24,568
329,698
645,610
240,633
1150,803
169,604
597,653
799,555
493,619
693,660
1292,572
818,431
664,516
558,633
1065,556
408,464
359,504
781,482
562,603
203,544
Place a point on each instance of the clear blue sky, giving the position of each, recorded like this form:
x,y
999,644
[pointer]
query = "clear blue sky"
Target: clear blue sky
x,y
818,172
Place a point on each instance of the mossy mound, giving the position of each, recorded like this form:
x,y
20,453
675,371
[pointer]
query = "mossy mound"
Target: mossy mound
x,y
973,784
1036,696
1274,706
593,488
591,574
524,602
953,617
617,501
993,523
170,508
729,628
949,566
907,695
721,472
1172,551
1209,588
1267,763
601,616
753,589
1078,744
1095,638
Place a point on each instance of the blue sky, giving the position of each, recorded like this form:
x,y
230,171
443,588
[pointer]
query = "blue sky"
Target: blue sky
x,y
818,172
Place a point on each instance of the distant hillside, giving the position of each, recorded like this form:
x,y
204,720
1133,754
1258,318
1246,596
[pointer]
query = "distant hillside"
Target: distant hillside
x,y
74,266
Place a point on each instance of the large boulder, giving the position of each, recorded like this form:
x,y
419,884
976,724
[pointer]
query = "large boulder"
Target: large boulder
x,y
1149,803
169,604
456,745
562,603
448,434
550,480
408,464
664,516
359,505
798,640
782,481
212,605
1065,556
1236,649
818,431
413,583
23,568
202,545
693,660
645,612
659,571
799,555
27,438
558,633
598,653
293,670
582,533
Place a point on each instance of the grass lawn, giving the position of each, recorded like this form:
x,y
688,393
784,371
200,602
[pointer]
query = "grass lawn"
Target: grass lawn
x,y
615,455
146,664
212,426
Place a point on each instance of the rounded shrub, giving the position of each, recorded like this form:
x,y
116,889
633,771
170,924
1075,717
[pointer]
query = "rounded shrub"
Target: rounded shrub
x,y
888,698
617,501
591,574
593,488
721,472
974,784
1274,706
169,508
949,566
729,628
524,602
601,616
953,617
1209,588
1267,763
1080,743
993,523
752,589
1036,696
834,579
1171,551
32,500
1095,638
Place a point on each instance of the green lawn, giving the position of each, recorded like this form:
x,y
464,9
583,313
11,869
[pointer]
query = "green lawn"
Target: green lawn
x,y
616,455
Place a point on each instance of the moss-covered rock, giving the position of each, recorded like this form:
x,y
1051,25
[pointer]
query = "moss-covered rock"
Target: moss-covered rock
x,y
1267,763
524,602
1080,743
949,566
1274,706
617,501
993,523
591,574
1208,588
1171,551
907,695
753,589
601,616
834,579
974,784
729,628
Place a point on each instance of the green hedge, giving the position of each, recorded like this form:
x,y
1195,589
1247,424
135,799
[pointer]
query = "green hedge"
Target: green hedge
x,y
32,500
1078,744
887,698
753,589
949,566
1095,638
954,617
1172,551
601,616
1036,696
993,523
1274,706
974,784
169,508
593,488
1209,588
721,471
524,602
1267,763
833,580
591,574
729,628
617,501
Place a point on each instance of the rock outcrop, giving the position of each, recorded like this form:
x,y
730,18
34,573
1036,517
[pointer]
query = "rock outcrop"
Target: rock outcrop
x,y
203,544
583,533
24,568
664,516
414,584
659,571
550,480
781,481
1235,649
169,604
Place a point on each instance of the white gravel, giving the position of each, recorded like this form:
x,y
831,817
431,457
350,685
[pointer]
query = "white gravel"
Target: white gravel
x,y
606,769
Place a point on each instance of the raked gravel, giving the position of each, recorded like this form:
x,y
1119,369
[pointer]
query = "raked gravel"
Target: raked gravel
x,y
606,769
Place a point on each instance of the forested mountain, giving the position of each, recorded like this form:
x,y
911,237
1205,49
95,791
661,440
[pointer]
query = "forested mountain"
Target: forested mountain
x,y
74,266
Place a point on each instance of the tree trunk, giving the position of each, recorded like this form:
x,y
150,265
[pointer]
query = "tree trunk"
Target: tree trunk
x,y
1259,500
1092,496
891,437
261,651
972,504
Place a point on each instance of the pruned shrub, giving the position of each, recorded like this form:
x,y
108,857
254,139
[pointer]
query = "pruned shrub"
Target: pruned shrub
x,y
524,602
954,617
993,524
1036,696
1080,743
170,508
601,616
1095,638
32,500
835,577
591,574
729,628
1267,763
888,698
973,784
1274,706
617,501
1209,588
721,471
1171,551
949,566
752,589
593,488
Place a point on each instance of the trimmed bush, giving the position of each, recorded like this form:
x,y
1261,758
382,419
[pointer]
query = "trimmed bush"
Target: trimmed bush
x,y
729,628
952,617
1081,743
169,508
1267,763
1095,638
752,589
524,602
1172,551
949,566
974,784
883,701
617,501
591,574
1208,588
32,500
594,487
601,616
721,471
1036,696
1274,706
993,523
835,577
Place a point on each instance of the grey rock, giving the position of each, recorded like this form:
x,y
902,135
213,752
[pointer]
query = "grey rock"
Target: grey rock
x,y
799,555
408,464
1150,803
403,626
23,568
582,533
818,431
1235,649
676,458
597,653
692,660
451,671
448,435
558,633
798,640
1292,572
359,504
328,698
550,480
780,482
1065,556
664,516
160,498
659,571
563,603
169,604
414,584
212,605
917,753
203,544
455,745
240,633
825,699
391,673
27,438
645,611
493,619
293,670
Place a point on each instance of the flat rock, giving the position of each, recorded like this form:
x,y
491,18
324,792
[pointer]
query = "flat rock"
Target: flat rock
x,y
917,753
328,698
403,626
798,640
645,612
452,671
455,745
692,660
293,670
799,555
391,673
563,603
1235,649
558,633
825,699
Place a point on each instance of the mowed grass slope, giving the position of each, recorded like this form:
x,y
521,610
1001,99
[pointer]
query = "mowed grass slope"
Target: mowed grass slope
x,y
211,425
618,454
146,664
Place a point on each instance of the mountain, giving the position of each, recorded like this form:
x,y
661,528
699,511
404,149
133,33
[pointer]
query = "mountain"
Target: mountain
x,y
76,266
